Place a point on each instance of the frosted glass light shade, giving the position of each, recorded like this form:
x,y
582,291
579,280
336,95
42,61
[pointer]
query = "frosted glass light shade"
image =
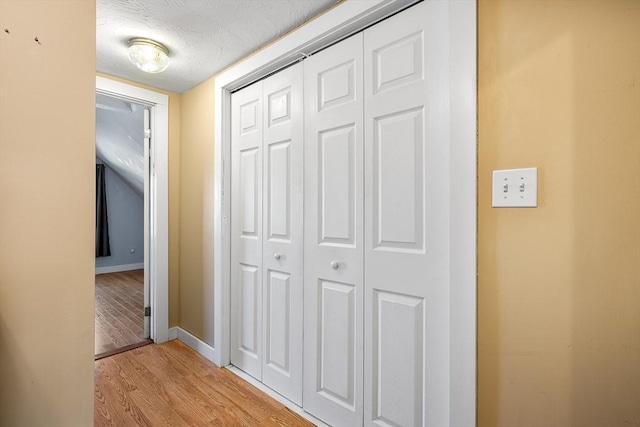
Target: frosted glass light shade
x,y
148,55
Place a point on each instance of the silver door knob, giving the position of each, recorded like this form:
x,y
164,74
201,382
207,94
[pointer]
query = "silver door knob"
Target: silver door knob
x,y
335,265
277,256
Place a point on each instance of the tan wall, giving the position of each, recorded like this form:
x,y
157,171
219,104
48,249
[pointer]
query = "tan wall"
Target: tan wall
x,y
47,205
175,102
196,211
559,286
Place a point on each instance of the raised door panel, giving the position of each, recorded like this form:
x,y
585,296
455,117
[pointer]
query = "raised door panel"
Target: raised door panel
x,y
398,62
249,192
336,186
397,372
246,230
283,233
336,343
336,85
333,247
278,209
407,219
248,294
398,177
278,322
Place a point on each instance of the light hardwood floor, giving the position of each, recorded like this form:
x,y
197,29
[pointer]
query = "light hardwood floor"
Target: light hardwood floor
x,y
170,384
119,310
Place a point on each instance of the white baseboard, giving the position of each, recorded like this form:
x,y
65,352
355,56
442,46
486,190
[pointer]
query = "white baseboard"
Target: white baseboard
x,y
206,350
172,333
194,342
118,268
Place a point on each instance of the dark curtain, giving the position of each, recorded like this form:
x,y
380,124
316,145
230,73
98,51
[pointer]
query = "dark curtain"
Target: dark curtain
x,y
102,224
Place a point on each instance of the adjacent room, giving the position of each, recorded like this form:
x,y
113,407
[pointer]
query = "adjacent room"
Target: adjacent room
x,y
120,234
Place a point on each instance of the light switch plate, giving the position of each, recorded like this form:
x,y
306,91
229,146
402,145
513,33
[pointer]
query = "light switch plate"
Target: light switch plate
x,y
515,188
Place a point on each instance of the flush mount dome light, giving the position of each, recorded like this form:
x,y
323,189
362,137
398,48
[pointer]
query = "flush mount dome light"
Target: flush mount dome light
x,y
148,55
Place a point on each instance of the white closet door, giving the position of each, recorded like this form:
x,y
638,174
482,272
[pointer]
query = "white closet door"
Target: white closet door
x,y
333,251
246,230
283,233
407,219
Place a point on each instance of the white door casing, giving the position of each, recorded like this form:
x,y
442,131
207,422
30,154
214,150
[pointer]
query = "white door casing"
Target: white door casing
x,y
283,233
246,230
333,250
407,331
147,216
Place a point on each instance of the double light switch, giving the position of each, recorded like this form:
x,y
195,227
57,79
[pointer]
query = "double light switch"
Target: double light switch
x,y
515,188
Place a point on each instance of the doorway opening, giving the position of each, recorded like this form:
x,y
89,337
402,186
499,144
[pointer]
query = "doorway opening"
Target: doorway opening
x,y
121,152
122,199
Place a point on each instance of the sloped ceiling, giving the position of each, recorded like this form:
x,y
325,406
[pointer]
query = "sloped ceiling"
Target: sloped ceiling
x,y
203,36
120,139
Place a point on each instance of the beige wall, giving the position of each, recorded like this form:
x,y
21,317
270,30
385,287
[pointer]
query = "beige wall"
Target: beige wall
x,y
559,286
196,211
175,102
47,205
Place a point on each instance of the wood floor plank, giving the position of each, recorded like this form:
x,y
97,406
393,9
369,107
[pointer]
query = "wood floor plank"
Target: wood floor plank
x,y
125,303
163,385
140,397
236,390
157,383
124,300
103,340
109,330
119,323
117,407
170,384
119,299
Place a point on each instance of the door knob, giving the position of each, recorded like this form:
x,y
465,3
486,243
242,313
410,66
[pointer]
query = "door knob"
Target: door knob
x,y
277,256
335,265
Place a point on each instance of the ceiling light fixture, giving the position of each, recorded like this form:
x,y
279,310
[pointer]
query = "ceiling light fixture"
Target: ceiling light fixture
x,y
148,55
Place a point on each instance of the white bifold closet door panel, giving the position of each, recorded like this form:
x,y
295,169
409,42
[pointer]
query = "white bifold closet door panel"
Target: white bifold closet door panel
x,y
246,230
267,231
283,233
407,219
333,250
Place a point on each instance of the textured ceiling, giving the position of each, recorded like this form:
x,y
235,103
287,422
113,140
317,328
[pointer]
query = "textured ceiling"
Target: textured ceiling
x,y
203,36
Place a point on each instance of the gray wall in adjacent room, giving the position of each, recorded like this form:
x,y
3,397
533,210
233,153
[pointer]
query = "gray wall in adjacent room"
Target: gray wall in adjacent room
x,y
119,133
125,211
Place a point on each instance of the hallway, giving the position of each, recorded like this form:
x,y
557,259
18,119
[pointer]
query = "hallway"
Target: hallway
x,y
170,384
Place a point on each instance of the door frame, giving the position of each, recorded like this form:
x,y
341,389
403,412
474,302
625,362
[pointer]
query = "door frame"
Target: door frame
x,y
157,235
345,19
